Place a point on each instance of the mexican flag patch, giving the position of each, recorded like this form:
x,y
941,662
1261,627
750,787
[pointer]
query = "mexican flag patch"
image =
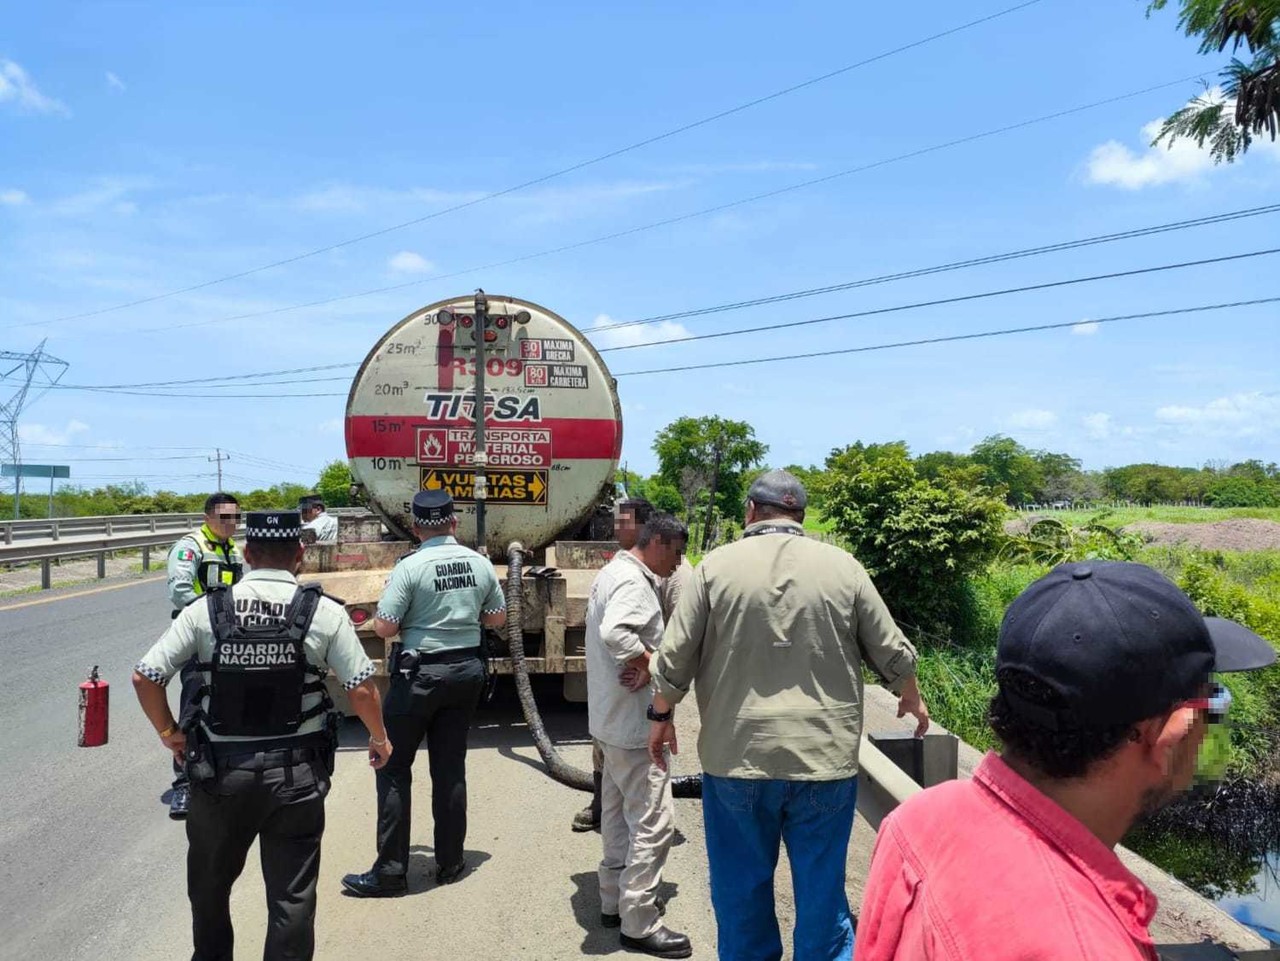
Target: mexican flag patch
x,y
186,554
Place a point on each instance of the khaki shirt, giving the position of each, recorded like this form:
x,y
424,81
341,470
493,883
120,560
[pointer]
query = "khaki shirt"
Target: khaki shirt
x,y
624,619
260,598
774,629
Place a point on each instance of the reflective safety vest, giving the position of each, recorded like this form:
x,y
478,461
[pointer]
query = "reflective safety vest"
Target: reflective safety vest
x,y
220,563
259,674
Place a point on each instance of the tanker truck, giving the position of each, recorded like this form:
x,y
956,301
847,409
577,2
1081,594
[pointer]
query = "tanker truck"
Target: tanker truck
x,y
552,435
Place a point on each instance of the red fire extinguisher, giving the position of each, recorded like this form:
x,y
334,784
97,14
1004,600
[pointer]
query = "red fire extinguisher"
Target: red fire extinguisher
x,y
93,710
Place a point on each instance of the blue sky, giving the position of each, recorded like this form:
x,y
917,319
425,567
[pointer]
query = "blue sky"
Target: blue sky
x,y
146,147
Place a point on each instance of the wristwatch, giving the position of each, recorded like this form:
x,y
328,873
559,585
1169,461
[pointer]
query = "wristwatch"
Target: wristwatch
x,y
169,731
653,715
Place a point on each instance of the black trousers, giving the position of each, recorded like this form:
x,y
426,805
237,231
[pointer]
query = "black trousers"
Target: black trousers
x,y
192,681
283,808
436,705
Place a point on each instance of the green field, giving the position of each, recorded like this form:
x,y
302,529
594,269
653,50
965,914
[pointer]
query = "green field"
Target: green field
x,y
1120,516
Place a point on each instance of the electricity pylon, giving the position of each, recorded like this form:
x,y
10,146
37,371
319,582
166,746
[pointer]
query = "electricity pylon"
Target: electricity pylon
x,y
23,378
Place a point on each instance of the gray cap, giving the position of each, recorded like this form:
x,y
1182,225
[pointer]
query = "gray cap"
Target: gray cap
x,y
777,488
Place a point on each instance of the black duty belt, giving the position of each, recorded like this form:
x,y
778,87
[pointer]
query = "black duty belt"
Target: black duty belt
x,y
276,752
449,656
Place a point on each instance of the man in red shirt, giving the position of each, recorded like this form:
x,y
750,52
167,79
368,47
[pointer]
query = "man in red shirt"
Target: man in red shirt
x,y
1104,693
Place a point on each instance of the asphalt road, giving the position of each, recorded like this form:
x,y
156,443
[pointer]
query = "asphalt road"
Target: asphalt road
x,y
92,868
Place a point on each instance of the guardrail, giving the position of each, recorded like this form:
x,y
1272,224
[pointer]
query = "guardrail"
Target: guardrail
x,y
90,546
55,528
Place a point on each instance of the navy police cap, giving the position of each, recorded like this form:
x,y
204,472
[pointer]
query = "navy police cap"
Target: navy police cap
x,y
432,507
272,526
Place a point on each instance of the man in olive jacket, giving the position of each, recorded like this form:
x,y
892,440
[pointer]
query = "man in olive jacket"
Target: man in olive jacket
x,y
775,629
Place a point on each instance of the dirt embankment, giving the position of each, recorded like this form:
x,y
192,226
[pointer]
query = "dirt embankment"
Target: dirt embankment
x,y
1237,534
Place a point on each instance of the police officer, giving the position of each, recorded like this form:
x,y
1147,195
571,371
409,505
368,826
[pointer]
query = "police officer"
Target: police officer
x,y
260,749
203,557
315,518
438,599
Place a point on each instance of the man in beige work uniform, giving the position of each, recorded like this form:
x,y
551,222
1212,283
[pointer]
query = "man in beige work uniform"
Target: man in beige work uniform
x,y
628,517
775,628
624,626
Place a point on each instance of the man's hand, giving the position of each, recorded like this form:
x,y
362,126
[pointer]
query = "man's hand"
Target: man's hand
x,y
910,702
634,678
662,734
379,753
177,745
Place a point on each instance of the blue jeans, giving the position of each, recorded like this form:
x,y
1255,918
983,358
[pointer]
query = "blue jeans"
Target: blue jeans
x,y
745,820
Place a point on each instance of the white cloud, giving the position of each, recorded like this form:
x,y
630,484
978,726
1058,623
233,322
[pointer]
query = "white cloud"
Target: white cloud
x,y
1098,426
1116,164
333,425
407,262
37,434
12,198
1086,328
17,87
1242,414
613,334
115,83
1033,419
107,194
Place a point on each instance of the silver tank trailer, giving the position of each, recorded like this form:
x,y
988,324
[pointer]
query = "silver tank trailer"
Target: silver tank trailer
x,y
553,426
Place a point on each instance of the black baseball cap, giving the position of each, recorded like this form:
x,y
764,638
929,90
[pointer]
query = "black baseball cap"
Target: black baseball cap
x,y
778,489
432,507
1118,642
273,526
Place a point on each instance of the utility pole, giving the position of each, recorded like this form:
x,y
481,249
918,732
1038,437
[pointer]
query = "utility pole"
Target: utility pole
x,y
219,457
19,375
480,490
711,501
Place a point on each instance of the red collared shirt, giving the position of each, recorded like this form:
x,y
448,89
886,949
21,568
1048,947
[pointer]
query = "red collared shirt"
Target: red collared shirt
x,y
992,870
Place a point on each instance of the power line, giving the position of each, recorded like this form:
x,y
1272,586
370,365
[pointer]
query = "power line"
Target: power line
x,y
772,327
739,331
1006,331
1137,232
558,173
669,221
944,268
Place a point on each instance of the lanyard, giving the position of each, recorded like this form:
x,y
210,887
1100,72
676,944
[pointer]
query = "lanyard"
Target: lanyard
x,y
775,529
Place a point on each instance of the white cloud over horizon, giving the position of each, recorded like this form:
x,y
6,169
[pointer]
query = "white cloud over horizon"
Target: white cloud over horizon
x,y
13,198
1243,414
1116,164
115,83
1086,328
609,333
1033,419
407,262
41,434
17,87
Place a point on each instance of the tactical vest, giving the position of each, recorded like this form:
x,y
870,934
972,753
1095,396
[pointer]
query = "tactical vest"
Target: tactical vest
x,y
258,675
218,567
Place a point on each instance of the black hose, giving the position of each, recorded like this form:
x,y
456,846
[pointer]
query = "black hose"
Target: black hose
x,y
685,786
559,769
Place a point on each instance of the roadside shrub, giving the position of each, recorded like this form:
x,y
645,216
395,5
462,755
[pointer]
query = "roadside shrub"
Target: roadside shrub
x,y
918,538
1051,541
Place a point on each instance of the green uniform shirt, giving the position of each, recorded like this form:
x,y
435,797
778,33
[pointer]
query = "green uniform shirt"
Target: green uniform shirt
x,y
261,598
774,630
437,595
197,556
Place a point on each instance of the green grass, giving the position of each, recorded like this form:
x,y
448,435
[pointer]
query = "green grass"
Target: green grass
x,y
1120,516
957,674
